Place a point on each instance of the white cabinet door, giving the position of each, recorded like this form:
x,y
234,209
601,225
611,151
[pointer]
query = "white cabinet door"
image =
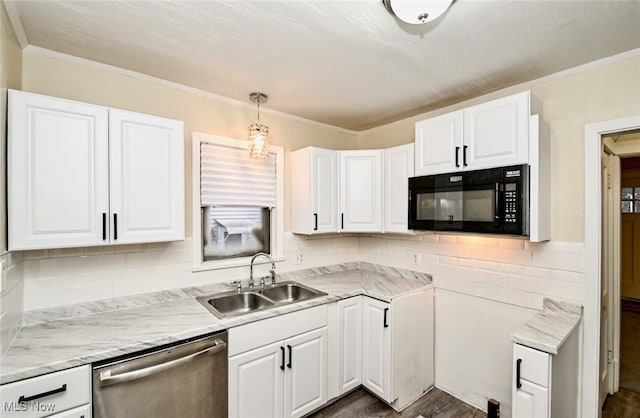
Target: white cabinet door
x,y
349,344
58,184
398,167
496,133
376,343
360,191
531,401
256,381
305,385
314,191
147,178
439,144
324,165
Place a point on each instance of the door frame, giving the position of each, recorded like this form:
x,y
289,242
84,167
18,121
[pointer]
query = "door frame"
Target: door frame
x,y
593,134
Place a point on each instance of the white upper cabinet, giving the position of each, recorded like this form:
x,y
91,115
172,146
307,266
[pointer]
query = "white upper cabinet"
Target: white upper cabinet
x,y
58,177
85,175
496,133
491,134
147,181
398,167
438,144
314,190
360,191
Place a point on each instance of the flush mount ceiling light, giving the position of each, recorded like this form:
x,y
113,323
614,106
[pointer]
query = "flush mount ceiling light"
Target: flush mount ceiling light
x,y
258,133
417,12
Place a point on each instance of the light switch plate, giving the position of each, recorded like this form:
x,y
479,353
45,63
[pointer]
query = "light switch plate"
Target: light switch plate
x,y
2,276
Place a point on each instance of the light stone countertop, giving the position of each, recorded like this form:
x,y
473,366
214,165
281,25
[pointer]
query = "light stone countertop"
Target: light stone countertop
x,y
60,338
550,328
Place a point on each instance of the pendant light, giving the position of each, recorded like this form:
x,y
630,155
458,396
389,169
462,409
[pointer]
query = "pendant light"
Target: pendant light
x,y
258,133
417,12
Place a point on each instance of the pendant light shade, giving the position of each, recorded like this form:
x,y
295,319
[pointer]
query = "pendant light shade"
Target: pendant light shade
x,y
417,12
258,133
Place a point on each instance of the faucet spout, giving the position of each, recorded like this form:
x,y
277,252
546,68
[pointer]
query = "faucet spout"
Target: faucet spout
x,y
260,254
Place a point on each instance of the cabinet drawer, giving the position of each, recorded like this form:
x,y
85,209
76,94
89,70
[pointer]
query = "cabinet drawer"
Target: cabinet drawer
x,y
83,411
68,389
534,365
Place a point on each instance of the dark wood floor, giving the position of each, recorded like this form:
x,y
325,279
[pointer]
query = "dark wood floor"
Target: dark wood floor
x,y
626,402
434,404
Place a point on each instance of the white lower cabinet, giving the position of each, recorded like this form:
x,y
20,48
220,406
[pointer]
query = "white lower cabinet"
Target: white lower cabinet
x,y
376,352
282,378
63,394
546,385
349,337
386,347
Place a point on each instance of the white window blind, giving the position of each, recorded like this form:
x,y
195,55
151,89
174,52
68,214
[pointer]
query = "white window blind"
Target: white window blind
x,y
228,177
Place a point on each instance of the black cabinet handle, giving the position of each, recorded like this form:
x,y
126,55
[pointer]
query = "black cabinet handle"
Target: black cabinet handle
x,y
386,324
457,156
518,362
104,226
464,155
342,220
315,218
115,226
282,366
61,389
290,356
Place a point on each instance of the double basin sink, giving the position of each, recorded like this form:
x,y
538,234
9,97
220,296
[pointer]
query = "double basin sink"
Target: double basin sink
x,y
234,303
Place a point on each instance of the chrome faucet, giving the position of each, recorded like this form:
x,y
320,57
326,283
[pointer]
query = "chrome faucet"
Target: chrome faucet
x,y
272,271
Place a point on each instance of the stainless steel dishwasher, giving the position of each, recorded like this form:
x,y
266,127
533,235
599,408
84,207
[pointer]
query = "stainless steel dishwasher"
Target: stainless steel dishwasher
x,y
186,380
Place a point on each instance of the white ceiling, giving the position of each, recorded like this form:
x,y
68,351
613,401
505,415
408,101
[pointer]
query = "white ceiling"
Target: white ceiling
x,y
344,63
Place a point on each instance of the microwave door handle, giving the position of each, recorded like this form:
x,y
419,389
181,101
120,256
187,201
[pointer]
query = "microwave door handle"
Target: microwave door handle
x,y
497,206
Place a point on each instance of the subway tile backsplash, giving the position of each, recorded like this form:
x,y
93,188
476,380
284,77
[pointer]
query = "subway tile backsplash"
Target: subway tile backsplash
x,y
503,269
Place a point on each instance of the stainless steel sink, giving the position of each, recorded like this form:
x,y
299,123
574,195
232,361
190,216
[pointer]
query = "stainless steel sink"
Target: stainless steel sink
x,y
289,292
234,303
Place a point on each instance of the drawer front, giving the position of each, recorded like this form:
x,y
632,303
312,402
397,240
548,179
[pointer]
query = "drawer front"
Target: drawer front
x,y
83,411
534,366
51,393
257,334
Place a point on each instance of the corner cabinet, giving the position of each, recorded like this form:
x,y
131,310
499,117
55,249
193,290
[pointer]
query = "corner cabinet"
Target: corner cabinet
x,y
350,191
360,191
491,134
83,175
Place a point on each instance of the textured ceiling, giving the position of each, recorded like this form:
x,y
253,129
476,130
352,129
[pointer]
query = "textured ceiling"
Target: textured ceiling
x,y
344,63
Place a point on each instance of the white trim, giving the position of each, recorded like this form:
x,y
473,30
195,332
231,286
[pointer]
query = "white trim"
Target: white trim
x,y
592,258
166,83
277,222
16,23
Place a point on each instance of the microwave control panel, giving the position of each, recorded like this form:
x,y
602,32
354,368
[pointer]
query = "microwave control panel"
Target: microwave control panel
x,y
511,203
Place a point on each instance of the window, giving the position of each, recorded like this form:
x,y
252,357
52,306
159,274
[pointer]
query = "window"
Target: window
x,y
237,201
630,198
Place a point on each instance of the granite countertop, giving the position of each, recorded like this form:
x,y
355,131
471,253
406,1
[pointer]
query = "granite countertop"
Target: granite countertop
x,y
550,328
60,338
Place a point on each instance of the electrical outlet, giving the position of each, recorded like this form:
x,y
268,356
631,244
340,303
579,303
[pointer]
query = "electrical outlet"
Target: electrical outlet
x,y
298,257
417,259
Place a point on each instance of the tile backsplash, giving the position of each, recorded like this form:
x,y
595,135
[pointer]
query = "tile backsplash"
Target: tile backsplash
x,y
503,269
11,298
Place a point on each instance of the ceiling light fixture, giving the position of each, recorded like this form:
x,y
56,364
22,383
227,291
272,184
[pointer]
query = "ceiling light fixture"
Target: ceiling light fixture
x,y
258,133
417,12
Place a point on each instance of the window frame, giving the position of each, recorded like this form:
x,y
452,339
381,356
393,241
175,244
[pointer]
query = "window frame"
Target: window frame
x,y
277,213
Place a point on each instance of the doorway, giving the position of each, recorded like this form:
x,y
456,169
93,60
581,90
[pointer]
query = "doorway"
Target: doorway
x,y
620,287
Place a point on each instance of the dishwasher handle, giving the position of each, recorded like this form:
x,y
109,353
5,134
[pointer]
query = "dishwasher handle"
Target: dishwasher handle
x,y
106,379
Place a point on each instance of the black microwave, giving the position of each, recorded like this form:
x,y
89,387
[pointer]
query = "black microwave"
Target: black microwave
x,y
490,201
